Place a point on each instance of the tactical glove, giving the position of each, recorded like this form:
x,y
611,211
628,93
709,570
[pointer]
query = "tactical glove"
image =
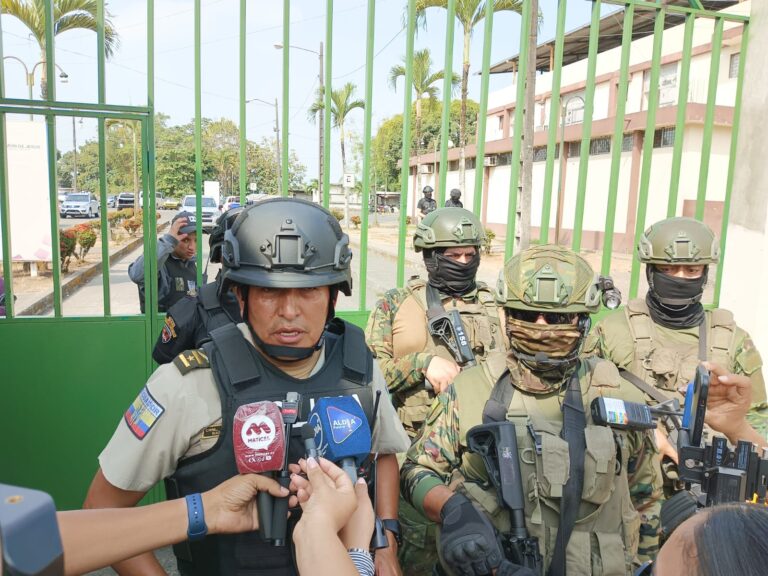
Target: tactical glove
x,y
468,542
508,569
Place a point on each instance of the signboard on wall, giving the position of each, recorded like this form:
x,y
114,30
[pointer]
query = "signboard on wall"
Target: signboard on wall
x,y
29,204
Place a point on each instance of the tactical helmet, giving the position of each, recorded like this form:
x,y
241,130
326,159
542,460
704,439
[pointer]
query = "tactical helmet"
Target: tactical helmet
x,y
448,227
427,189
678,241
549,278
287,243
455,193
216,239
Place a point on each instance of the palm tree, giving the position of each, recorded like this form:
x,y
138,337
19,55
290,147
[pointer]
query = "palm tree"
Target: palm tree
x,y
468,13
342,103
423,86
67,15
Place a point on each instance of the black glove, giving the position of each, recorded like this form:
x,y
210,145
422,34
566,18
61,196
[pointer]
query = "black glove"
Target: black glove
x,y
506,568
468,542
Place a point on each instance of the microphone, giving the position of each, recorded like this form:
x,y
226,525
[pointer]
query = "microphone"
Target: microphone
x,y
290,413
308,437
342,433
260,447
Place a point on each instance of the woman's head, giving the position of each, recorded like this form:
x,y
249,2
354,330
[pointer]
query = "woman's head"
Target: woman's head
x,y
726,539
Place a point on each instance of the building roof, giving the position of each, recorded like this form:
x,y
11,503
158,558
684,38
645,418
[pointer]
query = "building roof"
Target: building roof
x,y
576,43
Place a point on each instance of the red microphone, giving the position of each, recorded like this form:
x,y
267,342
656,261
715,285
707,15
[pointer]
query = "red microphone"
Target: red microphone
x,y
259,443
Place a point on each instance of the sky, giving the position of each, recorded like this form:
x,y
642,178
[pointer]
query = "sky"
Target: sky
x,y
126,77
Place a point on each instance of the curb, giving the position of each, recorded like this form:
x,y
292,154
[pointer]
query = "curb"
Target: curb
x,y
68,288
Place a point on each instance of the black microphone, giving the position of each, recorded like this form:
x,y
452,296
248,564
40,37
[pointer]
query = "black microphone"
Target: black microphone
x,y
290,413
310,446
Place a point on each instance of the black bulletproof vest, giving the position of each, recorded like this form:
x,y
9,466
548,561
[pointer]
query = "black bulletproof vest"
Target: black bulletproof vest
x,y
182,279
243,376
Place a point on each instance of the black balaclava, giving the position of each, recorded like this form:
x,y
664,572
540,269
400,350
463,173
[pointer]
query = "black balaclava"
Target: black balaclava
x,y
288,353
675,302
448,276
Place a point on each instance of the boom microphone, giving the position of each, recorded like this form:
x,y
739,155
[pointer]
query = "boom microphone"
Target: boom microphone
x,y
342,433
260,447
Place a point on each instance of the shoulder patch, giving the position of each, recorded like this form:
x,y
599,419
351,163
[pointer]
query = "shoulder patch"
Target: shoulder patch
x,y
191,360
169,329
143,414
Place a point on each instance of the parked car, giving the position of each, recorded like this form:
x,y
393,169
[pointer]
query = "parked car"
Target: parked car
x,y
82,204
171,203
230,202
210,211
125,200
111,201
159,201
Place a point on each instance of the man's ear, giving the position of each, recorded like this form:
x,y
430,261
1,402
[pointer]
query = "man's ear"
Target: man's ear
x,y
238,292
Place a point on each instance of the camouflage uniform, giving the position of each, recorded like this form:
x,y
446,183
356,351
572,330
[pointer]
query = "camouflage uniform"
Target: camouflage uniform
x,y
621,478
398,334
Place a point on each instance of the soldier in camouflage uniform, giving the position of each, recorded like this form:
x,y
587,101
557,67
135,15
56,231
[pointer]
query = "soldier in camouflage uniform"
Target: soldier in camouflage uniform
x,y
662,338
415,363
548,294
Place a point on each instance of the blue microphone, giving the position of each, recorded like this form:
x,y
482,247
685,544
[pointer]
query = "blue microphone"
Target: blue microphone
x,y
342,433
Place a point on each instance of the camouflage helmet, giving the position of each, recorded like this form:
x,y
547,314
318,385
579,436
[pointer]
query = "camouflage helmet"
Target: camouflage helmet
x,y
678,241
551,279
455,194
427,189
448,227
287,243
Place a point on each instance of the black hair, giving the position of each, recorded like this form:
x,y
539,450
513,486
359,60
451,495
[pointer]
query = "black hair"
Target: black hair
x,y
733,539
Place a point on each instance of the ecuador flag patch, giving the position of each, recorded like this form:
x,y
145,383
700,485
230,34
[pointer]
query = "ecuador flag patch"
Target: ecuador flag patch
x,y
143,413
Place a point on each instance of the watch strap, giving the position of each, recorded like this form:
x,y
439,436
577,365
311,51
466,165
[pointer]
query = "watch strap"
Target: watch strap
x,y
393,525
197,529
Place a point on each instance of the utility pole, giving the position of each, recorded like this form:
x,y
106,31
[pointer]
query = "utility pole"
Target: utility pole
x,y
277,150
74,157
320,129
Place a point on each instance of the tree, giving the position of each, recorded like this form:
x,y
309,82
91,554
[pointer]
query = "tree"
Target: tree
x,y
342,103
468,13
424,80
67,15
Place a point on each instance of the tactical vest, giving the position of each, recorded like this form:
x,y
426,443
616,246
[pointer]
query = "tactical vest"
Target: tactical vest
x,y
483,328
242,377
670,364
606,533
183,281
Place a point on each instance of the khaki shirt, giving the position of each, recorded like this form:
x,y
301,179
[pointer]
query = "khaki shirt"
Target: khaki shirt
x,y
186,420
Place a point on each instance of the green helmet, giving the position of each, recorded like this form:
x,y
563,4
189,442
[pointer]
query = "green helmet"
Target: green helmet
x,y
551,279
448,227
678,241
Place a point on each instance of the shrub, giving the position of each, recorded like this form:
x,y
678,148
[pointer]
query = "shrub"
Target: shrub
x,y
489,236
86,240
355,221
67,245
407,220
338,214
131,225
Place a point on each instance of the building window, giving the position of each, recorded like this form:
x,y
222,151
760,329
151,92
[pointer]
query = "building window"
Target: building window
x,y
501,122
664,137
733,66
667,85
504,159
598,146
628,142
469,164
574,149
453,165
540,154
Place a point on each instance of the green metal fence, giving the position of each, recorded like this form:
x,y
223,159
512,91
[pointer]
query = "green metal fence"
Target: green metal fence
x,y
43,369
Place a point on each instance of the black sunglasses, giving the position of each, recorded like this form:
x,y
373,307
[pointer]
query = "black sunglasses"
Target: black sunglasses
x,y
550,317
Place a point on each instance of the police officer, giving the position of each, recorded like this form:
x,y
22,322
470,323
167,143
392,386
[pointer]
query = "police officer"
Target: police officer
x,y
596,477
453,201
285,260
176,264
661,339
189,321
411,337
427,204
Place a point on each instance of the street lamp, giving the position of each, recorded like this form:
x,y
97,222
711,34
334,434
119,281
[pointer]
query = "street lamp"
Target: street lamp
x,y
30,75
277,139
563,114
321,112
74,154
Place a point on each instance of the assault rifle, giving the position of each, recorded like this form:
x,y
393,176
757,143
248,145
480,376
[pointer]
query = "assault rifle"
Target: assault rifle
x,y
496,444
447,326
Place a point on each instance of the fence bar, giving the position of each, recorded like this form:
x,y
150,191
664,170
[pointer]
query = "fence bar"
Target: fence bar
x,y
731,163
327,87
243,153
586,126
406,165
102,96
5,217
367,153
482,120
554,121
682,106
650,129
445,123
517,133
198,142
618,137
286,93
709,117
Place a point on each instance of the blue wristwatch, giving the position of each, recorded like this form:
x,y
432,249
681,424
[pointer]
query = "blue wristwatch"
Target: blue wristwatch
x,y
197,528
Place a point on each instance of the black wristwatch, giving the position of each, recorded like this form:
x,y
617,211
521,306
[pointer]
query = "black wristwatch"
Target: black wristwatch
x,y
393,525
